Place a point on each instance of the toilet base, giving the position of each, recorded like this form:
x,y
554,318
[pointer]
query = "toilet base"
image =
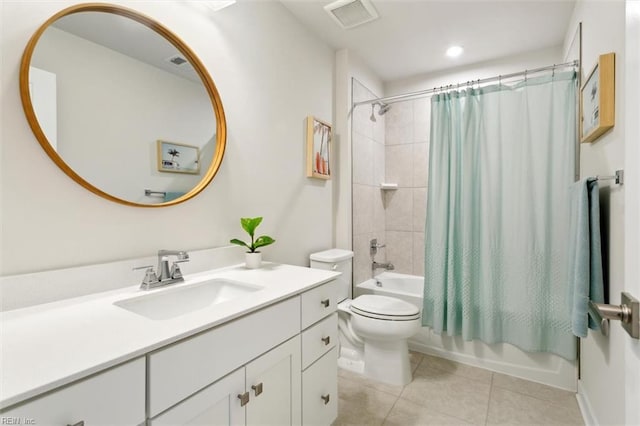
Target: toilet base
x,y
387,361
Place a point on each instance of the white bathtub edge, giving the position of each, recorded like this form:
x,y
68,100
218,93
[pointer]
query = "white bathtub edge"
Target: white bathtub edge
x,y
552,378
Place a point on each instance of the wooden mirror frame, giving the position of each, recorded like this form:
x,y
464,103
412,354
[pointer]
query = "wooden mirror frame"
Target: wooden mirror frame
x,y
221,128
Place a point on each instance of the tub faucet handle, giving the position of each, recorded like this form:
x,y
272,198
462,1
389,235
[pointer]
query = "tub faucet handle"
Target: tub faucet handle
x,y
375,245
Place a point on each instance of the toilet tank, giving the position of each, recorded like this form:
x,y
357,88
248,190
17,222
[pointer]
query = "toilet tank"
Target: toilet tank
x,y
336,260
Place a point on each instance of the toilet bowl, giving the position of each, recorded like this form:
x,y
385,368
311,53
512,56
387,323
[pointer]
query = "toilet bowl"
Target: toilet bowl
x,y
374,329
382,325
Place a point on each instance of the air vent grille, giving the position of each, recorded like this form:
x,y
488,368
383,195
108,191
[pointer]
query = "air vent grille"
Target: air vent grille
x,y
177,60
351,13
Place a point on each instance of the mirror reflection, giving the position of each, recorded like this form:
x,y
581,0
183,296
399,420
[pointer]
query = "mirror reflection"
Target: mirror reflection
x,y
111,96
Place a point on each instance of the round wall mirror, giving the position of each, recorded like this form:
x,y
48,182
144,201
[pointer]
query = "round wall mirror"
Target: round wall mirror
x,y
122,106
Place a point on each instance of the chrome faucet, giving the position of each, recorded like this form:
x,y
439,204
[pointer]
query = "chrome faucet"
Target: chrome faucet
x,y
165,275
386,265
163,264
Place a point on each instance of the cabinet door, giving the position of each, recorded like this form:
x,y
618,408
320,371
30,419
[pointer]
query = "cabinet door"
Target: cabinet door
x,y
217,404
320,391
274,386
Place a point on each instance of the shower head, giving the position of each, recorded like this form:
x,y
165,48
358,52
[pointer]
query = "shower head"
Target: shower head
x,y
384,108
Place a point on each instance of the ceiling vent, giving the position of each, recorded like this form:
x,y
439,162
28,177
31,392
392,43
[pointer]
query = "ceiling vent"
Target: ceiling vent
x,y
177,60
351,13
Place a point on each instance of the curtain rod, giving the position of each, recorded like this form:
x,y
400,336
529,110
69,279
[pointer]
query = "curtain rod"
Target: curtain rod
x,y
398,98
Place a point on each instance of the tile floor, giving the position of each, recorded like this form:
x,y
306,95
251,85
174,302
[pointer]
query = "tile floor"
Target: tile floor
x,y
444,392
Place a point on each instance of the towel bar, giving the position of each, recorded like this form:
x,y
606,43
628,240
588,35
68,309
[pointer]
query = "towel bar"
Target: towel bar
x,y
618,177
628,312
151,193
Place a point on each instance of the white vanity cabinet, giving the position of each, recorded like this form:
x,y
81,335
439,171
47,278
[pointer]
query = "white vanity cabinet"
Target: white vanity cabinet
x,y
266,391
184,368
272,365
112,397
319,321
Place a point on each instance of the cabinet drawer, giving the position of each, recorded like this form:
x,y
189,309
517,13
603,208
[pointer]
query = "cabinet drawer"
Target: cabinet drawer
x,y
320,391
318,339
114,397
188,366
318,303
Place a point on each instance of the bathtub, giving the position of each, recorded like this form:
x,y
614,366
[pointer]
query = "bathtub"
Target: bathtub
x,y
409,288
504,358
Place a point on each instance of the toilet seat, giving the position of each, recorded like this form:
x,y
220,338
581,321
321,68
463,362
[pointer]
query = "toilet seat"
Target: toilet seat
x,y
384,308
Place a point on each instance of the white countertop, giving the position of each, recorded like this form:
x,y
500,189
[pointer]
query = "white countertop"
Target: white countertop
x,y
50,345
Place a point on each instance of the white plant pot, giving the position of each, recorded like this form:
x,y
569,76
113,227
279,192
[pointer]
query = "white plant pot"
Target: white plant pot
x,y
253,260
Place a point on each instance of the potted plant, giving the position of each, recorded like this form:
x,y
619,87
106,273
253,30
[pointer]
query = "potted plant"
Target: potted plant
x,y
253,258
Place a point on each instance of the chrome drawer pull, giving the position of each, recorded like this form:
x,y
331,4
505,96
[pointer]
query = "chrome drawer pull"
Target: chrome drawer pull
x,y
244,398
326,340
326,398
325,303
257,389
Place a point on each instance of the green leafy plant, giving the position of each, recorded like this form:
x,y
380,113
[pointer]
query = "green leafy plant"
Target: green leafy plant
x,y
250,224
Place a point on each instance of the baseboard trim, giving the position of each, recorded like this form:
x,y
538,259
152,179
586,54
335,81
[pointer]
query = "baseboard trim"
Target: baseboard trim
x,y
585,406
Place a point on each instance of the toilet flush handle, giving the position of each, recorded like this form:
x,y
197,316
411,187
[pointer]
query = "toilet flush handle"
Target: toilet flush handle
x,y
334,267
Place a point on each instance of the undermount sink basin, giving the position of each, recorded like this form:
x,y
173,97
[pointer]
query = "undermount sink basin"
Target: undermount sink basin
x,y
183,299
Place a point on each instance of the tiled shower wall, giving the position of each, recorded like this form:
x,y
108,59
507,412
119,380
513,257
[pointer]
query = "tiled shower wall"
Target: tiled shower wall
x,y
392,149
368,168
406,163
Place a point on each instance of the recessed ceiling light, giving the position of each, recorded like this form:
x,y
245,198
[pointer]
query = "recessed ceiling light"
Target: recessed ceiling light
x,y
454,51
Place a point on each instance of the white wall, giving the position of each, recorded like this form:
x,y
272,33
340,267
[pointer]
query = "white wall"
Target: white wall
x,y
102,130
602,369
270,73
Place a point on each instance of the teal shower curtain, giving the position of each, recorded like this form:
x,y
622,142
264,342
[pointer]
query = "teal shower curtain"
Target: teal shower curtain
x,y
500,166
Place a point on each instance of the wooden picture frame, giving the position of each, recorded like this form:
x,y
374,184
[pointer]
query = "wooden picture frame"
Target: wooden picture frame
x,y
318,148
597,99
178,158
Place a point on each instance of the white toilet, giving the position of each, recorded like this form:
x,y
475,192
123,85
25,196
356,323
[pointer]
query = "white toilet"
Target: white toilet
x,y
373,329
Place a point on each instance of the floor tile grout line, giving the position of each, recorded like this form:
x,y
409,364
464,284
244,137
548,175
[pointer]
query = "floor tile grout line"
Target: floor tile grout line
x,y
486,417
391,409
357,381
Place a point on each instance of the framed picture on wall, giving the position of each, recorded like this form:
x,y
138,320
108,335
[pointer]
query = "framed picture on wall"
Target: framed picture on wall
x,y
318,148
178,158
597,99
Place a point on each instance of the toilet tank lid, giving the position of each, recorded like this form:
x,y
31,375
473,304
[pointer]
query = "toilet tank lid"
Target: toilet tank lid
x,y
333,255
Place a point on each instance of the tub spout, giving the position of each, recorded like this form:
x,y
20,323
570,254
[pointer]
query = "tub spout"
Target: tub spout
x,y
387,265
